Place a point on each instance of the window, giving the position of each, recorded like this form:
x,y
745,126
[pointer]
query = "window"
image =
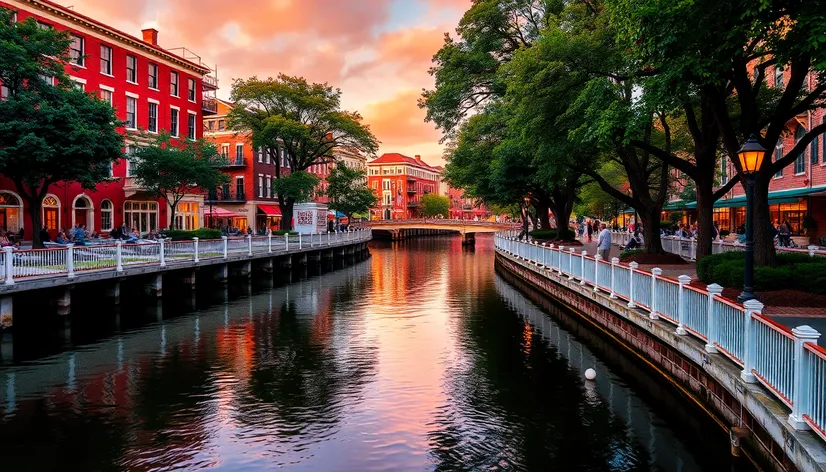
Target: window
x,y
153,117
131,69
815,151
106,95
225,151
260,186
266,155
239,188
385,184
191,89
211,125
141,216
778,154
186,216
222,125
723,170
130,159
76,51
173,121
106,209
260,155
800,161
239,153
778,77
269,186
173,83
78,84
44,26
191,132
105,60
153,76
131,113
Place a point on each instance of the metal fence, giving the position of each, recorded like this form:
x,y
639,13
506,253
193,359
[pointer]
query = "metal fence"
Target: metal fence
x,y
787,362
687,247
69,260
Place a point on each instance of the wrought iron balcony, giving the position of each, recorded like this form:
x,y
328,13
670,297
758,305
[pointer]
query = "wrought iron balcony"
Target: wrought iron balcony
x,y
209,105
223,195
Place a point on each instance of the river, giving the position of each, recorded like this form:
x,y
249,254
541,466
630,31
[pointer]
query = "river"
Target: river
x,y
419,358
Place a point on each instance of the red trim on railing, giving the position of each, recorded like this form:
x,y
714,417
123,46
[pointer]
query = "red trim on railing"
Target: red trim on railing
x,y
728,302
695,289
695,333
771,387
26,251
817,350
728,354
815,427
775,325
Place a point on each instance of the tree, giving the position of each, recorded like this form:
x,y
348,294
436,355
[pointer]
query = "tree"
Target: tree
x,y
724,50
435,205
348,192
297,186
171,170
303,121
48,133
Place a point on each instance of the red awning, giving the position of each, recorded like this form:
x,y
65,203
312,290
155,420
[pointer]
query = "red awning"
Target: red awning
x,y
221,213
270,210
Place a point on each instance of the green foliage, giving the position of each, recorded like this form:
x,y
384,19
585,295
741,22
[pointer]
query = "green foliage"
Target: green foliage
x,y
200,233
49,133
675,217
298,186
171,169
435,205
348,192
629,254
794,271
548,235
282,232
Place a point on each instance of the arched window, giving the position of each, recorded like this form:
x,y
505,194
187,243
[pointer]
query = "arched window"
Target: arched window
x,y
106,209
800,162
51,214
11,211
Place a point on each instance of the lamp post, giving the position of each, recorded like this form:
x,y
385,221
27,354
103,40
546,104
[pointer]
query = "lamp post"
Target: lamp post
x,y
751,157
525,218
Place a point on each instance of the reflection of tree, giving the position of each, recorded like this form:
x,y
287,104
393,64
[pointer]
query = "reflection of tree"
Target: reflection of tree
x,y
301,382
516,404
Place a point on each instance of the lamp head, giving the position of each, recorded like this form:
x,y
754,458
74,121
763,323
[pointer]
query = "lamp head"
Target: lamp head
x,y
751,156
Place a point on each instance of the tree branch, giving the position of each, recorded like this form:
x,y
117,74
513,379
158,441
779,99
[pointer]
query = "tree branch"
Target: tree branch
x,y
718,194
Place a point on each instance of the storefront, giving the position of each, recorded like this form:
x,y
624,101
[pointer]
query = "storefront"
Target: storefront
x,y
268,216
141,216
11,211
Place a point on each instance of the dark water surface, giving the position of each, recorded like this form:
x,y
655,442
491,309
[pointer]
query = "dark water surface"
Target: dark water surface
x,y
420,358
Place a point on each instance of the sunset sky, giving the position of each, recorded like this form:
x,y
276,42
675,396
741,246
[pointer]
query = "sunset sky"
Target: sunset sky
x,y
377,51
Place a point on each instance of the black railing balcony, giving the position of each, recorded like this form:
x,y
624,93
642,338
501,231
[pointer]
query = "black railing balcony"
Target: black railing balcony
x,y
411,190
209,105
226,196
413,204
234,162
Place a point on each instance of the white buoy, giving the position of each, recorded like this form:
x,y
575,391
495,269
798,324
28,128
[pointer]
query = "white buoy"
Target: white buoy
x,y
590,374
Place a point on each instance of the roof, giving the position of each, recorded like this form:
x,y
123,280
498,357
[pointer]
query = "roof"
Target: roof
x,y
110,31
396,158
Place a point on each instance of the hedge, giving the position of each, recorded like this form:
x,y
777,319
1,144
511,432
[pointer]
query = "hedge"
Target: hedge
x,y
549,234
202,233
794,271
282,232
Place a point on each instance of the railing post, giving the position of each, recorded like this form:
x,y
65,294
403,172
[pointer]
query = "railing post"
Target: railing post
x,y
571,252
597,258
633,266
249,245
225,243
70,262
751,307
713,290
582,280
614,262
328,238
8,260
195,249
801,399
269,243
162,256
119,255
681,301
812,250
692,247
655,272
560,253
287,241
299,240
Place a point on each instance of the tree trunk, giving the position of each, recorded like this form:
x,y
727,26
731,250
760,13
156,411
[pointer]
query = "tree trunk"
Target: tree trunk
x,y
705,219
764,251
286,213
172,223
35,205
651,230
562,216
541,206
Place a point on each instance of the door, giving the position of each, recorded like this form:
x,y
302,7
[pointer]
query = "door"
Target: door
x,y
387,213
3,222
80,217
50,221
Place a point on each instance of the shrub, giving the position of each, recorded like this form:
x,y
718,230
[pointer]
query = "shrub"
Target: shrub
x,y
624,255
794,271
549,234
282,232
202,233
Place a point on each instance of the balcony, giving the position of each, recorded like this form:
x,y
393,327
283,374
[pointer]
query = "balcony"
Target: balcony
x,y
234,162
209,105
411,190
413,204
224,195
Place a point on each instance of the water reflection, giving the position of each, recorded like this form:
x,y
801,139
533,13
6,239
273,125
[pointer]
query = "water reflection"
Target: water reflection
x,y
420,358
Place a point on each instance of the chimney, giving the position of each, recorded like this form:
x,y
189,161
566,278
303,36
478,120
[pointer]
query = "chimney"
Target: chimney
x,y
150,35
418,158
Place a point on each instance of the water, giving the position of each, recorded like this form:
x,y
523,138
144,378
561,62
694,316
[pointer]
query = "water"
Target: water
x,y
420,358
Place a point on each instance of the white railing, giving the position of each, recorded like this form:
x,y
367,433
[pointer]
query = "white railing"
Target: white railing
x,y
687,247
787,362
70,260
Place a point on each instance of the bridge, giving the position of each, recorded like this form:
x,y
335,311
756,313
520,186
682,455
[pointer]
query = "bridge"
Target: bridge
x,y
402,229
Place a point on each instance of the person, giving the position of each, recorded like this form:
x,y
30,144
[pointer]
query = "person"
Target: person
x,y
20,235
249,230
635,241
115,233
331,226
784,234
61,238
44,235
5,242
589,230
604,241
715,231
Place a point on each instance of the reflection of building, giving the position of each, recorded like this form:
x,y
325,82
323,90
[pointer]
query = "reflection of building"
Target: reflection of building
x,y
152,89
797,191
248,199
400,182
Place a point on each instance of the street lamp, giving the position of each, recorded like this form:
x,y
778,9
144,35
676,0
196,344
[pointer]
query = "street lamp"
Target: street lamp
x,y
525,218
751,157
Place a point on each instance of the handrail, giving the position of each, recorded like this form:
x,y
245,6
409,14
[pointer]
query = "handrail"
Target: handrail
x,y
767,352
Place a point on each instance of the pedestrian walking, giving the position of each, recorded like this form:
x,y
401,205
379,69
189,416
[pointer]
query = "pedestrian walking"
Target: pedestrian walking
x,y
784,234
604,242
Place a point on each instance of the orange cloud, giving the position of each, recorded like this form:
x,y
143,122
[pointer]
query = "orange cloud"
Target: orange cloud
x,y
399,121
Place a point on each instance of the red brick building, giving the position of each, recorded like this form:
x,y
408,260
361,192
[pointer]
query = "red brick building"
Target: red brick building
x,y
151,88
400,182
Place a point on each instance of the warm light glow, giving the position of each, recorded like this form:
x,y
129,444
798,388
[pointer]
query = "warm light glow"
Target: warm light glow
x,y
751,156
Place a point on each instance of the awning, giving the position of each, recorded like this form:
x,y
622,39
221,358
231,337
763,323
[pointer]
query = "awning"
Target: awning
x,y
780,196
270,210
679,205
218,212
